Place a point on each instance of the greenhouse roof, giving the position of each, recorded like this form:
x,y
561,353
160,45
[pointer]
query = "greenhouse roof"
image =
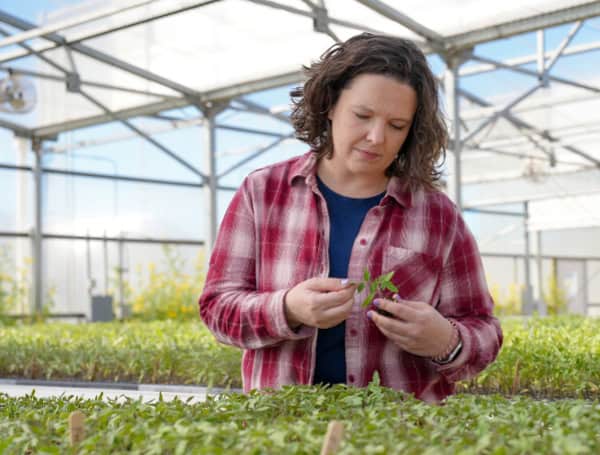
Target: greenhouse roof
x,y
136,64
99,62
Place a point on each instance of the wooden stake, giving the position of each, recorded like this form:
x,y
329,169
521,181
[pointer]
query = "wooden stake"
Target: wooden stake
x,y
76,427
333,437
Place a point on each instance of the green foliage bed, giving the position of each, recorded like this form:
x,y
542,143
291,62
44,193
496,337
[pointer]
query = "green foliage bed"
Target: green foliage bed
x,y
145,352
551,357
294,420
545,357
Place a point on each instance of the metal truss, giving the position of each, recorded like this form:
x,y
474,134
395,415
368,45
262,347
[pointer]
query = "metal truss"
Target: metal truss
x,y
65,79
96,34
454,50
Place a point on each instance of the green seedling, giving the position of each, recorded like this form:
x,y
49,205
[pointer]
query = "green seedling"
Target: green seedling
x,y
379,284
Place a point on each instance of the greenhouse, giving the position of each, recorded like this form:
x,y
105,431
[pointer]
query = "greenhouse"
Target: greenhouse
x,y
128,129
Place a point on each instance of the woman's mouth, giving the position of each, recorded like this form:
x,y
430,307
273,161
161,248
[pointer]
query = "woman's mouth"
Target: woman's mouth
x,y
366,154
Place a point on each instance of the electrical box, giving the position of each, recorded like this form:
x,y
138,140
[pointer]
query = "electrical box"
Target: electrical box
x,y
102,308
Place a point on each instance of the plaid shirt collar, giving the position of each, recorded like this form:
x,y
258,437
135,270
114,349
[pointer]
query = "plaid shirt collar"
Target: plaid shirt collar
x,y
306,168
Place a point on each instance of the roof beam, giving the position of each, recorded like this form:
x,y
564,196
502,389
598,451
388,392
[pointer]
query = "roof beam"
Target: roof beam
x,y
37,32
391,13
147,109
313,15
19,130
535,74
529,197
522,125
256,107
486,68
255,154
529,24
518,175
501,112
128,124
224,93
87,36
63,79
101,56
562,46
473,149
157,144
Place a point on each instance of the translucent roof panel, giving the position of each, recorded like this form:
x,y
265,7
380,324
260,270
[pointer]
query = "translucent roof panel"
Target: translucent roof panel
x,y
188,47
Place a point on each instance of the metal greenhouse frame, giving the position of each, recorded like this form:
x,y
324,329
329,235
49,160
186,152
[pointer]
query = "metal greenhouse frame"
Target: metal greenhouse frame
x,y
454,49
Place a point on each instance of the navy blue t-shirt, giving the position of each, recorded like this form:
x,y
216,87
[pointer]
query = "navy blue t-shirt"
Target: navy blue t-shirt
x,y
346,216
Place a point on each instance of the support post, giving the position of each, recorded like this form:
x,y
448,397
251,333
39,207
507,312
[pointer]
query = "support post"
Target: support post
x,y
121,276
541,304
451,84
37,252
527,292
22,147
585,290
212,183
541,58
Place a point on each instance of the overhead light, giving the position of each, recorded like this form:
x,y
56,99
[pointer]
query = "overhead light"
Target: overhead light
x,y
17,94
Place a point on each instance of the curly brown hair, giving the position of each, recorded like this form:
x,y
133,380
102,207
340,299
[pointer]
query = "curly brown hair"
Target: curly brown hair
x,y
417,160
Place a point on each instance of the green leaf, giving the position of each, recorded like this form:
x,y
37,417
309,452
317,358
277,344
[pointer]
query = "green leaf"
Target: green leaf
x,y
388,276
375,380
390,286
367,275
360,287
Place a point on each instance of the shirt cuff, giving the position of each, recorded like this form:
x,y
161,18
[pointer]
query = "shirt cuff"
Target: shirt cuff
x,y
452,370
282,329
453,354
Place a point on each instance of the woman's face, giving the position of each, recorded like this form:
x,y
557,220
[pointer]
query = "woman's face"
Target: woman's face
x,y
370,122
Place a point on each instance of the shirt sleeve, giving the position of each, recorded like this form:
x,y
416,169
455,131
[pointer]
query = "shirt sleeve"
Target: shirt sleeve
x,y
465,298
231,305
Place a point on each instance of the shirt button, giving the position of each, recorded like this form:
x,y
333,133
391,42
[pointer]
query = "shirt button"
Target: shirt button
x,y
351,378
353,332
377,211
363,241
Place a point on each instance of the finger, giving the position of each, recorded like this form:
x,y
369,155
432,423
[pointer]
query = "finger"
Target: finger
x,y
398,309
339,311
415,304
401,342
397,337
328,284
397,326
334,298
334,316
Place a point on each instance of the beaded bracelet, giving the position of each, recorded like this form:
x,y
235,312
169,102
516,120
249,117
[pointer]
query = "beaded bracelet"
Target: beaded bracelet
x,y
454,341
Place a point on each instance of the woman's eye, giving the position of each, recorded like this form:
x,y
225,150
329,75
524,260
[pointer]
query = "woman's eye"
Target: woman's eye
x,y
398,127
361,116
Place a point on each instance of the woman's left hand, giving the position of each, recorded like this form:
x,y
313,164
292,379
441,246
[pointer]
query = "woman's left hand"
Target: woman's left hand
x,y
415,327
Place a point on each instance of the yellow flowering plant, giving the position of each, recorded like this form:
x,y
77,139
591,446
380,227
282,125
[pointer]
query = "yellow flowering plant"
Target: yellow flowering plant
x,y
170,292
15,293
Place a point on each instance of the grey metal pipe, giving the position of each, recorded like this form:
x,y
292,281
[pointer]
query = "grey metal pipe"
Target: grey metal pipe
x,y
36,237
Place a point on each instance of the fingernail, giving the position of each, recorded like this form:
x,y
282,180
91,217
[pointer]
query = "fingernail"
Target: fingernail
x,y
376,302
370,314
345,281
396,297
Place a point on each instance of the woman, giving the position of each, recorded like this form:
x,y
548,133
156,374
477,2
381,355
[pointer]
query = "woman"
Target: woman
x,y
298,236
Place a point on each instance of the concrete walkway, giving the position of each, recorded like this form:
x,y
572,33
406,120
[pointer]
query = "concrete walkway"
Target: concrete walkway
x,y
119,391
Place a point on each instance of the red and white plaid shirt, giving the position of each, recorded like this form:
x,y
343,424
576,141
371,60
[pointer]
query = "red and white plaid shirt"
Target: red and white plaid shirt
x,y
275,234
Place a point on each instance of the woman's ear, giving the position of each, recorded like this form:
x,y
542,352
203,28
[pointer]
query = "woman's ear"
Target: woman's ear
x,y
331,112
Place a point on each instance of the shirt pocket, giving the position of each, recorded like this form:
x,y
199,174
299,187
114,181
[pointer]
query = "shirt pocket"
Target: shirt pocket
x,y
416,274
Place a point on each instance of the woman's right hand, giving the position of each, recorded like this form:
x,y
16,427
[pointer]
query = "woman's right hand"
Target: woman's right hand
x,y
319,302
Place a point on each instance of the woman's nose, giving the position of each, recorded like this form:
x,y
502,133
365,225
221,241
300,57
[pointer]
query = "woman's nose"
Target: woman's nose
x,y
376,133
